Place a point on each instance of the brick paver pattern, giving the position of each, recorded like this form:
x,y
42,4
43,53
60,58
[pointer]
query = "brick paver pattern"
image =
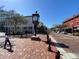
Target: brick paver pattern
x,y
25,48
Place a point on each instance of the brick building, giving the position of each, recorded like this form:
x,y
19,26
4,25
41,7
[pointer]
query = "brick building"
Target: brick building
x,y
71,24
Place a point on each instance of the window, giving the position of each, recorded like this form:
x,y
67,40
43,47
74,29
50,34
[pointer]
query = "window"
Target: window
x,y
25,27
30,27
18,27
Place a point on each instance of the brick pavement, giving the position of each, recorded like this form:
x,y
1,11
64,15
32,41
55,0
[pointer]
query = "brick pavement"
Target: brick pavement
x,y
28,49
68,43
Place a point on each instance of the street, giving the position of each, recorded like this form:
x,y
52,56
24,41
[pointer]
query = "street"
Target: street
x,y
68,43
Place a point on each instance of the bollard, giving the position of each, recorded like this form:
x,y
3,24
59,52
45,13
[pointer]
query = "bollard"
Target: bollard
x,y
49,42
47,37
58,54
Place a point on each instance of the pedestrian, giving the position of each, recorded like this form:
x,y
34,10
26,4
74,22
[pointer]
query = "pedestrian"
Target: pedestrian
x,y
7,41
49,44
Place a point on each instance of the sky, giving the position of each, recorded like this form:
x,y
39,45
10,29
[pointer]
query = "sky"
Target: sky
x,y
51,12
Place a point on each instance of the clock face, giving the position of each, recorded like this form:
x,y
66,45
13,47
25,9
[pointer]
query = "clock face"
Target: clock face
x,y
35,18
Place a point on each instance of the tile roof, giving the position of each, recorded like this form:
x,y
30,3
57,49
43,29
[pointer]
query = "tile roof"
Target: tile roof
x,y
71,18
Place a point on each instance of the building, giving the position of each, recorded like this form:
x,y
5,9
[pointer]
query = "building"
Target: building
x,y
71,24
12,23
21,27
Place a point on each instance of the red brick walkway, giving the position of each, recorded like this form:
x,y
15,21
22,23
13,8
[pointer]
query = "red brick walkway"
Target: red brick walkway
x,y
43,37
25,48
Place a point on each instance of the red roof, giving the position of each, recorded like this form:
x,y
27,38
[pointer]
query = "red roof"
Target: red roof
x,y
68,19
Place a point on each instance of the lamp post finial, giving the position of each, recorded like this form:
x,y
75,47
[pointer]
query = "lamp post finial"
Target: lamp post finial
x,y
36,12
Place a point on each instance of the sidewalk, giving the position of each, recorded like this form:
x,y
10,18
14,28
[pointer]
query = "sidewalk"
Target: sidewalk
x,y
25,48
52,47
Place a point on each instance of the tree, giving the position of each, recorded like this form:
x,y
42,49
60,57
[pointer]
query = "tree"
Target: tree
x,y
41,28
11,18
18,20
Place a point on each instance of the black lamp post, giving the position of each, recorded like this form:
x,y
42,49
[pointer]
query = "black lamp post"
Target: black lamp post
x,y
35,18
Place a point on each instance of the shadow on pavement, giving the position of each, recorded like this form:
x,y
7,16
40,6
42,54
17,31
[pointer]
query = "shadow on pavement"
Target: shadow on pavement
x,y
2,44
9,50
36,39
62,45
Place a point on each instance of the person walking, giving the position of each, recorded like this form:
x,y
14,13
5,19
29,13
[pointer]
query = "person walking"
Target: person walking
x,y
7,41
